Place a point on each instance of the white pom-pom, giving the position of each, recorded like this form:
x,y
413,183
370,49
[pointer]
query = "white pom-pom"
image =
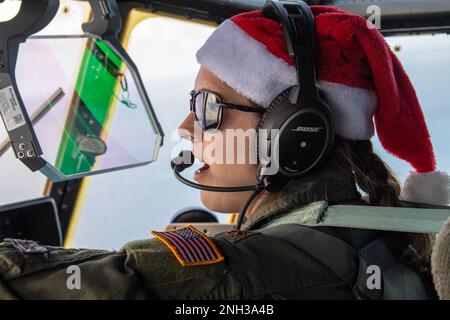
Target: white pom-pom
x,y
430,187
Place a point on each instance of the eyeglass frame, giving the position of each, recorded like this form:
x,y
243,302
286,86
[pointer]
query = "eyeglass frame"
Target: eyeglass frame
x,y
221,105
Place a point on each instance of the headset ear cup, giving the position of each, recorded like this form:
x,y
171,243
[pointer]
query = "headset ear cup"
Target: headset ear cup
x,y
273,106
272,182
303,142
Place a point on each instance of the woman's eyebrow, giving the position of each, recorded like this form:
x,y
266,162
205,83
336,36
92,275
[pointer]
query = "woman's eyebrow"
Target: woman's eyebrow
x,y
226,97
214,89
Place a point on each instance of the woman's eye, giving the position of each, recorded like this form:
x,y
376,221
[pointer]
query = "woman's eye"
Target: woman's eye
x,y
212,113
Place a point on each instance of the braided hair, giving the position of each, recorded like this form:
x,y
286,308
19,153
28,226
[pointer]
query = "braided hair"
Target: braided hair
x,y
374,177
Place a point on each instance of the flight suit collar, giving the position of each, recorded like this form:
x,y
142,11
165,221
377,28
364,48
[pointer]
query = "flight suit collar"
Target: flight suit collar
x,y
330,183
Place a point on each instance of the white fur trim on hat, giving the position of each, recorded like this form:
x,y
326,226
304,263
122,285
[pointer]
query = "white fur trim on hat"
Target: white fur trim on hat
x,y
352,109
248,67
245,64
430,187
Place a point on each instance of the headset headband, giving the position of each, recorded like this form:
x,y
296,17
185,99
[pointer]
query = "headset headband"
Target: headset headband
x,y
301,46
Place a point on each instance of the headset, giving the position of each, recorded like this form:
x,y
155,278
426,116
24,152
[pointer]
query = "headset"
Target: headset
x,y
298,124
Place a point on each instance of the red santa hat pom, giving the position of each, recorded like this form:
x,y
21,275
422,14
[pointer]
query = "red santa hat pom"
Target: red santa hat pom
x,y
360,77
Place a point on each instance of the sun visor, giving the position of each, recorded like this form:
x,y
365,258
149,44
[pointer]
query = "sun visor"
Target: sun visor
x,y
73,102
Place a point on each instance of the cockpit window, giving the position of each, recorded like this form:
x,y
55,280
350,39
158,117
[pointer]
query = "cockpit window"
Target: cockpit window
x,y
9,10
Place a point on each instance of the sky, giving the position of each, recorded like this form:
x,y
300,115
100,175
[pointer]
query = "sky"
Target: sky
x,y
126,205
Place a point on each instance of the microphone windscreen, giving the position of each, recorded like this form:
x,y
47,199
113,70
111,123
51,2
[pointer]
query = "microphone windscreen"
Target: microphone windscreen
x,y
440,263
184,160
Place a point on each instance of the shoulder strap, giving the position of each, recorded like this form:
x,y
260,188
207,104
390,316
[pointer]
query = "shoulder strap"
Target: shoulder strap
x,y
340,257
351,266
415,220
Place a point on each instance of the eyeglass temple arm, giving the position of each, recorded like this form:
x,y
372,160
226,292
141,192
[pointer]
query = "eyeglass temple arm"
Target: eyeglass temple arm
x,y
243,108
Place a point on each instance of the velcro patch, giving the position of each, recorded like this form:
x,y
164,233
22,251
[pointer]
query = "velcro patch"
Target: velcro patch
x,y
27,246
190,246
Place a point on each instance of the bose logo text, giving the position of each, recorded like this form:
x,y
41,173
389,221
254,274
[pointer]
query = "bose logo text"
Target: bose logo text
x,y
307,129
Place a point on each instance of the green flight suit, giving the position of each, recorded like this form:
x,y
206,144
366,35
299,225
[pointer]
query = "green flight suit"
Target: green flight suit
x,y
256,266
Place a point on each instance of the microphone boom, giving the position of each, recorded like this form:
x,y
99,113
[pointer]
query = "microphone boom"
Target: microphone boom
x,y
178,165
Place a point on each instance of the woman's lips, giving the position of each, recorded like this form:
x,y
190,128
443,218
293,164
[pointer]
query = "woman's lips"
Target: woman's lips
x,y
201,171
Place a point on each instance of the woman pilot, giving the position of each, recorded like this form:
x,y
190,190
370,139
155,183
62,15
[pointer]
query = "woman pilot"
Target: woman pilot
x,y
245,65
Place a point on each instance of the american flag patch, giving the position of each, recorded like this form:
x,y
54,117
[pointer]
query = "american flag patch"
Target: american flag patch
x,y
190,246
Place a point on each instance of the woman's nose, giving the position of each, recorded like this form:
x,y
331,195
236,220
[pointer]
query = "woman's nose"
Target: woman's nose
x,y
186,128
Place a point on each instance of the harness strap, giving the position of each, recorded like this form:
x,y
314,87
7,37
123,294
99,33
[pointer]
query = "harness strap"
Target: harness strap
x,y
415,220
399,219
396,281
331,252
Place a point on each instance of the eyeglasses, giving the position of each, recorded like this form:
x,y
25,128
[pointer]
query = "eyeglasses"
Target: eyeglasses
x,y
208,109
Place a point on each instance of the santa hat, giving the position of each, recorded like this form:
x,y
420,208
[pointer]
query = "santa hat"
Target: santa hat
x,y
360,77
